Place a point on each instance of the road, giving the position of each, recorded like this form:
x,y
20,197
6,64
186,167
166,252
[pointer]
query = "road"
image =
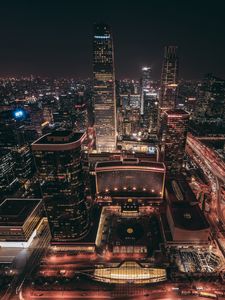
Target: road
x,y
37,248
81,286
214,163
210,163
164,292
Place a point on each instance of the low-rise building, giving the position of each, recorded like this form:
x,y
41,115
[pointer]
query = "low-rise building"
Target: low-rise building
x,y
19,219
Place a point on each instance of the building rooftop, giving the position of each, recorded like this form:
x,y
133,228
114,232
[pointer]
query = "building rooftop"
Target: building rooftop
x,y
14,212
178,190
188,216
58,140
130,271
130,163
60,137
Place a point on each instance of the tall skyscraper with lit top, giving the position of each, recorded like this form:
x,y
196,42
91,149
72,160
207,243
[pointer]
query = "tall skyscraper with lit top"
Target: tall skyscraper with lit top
x,y
145,85
169,80
104,89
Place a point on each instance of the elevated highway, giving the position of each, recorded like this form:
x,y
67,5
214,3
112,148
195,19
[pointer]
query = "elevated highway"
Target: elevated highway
x,y
213,167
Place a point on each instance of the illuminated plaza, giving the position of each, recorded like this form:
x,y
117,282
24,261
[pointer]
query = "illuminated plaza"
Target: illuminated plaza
x,y
130,272
128,230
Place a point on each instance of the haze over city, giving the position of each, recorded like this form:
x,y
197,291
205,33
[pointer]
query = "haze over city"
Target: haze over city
x,y
54,38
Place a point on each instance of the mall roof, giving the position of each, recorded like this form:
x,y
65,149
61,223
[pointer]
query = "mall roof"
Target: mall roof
x,y
188,216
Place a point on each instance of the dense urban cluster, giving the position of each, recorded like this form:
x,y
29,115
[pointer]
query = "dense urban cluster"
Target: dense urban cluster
x,y
107,183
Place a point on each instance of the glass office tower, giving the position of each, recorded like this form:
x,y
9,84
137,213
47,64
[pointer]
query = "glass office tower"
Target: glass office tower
x,y
169,80
104,89
58,160
173,140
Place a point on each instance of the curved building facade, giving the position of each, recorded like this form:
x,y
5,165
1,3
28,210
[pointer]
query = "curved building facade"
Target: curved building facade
x,y
58,161
130,272
130,178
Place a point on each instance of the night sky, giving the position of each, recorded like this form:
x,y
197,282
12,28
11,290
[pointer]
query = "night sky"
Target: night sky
x,y
54,38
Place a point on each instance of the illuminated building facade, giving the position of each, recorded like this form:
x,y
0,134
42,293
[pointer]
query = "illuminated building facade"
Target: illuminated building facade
x,y
130,178
135,101
174,134
36,119
104,89
72,112
81,117
24,163
210,100
18,221
130,272
145,85
140,147
128,121
58,161
169,80
13,139
150,117
8,178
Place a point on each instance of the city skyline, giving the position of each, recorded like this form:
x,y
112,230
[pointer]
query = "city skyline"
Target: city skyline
x,y
58,40
112,188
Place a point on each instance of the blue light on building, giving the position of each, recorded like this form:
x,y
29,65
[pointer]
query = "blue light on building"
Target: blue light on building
x,y
151,150
19,114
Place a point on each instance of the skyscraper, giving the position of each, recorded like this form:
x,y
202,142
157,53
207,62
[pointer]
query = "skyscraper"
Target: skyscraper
x,y
173,140
24,163
11,129
13,139
58,160
104,88
150,116
210,99
169,80
8,178
145,85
